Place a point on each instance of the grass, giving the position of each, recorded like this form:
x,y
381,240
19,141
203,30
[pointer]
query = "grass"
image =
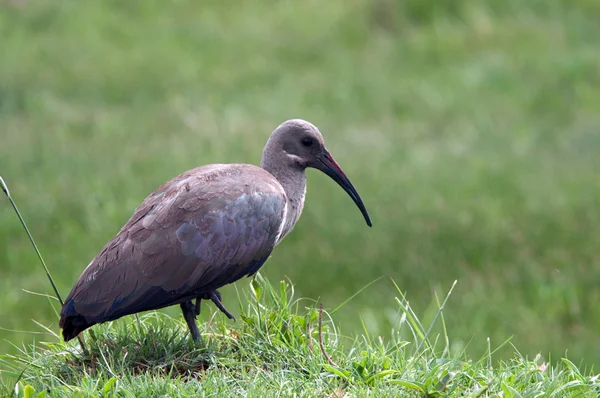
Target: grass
x,y
282,346
469,127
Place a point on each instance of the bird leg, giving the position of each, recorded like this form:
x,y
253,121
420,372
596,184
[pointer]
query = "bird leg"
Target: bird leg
x,y
199,299
188,310
197,309
215,296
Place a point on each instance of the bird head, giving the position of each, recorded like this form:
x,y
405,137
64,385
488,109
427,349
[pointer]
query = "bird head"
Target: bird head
x,y
298,144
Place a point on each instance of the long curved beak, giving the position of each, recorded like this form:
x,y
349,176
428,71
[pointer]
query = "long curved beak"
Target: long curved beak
x,y
329,166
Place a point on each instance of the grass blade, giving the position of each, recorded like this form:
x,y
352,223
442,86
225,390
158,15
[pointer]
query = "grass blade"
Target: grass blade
x,y
438,313
37,251
354,295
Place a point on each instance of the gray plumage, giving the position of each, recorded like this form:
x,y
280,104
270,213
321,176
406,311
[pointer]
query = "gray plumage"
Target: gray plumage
x,y
204,229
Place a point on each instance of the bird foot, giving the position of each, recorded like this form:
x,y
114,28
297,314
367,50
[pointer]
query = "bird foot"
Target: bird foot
x,y
215,296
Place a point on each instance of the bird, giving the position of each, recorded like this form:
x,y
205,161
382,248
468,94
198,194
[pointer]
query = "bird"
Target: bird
x,y
204,229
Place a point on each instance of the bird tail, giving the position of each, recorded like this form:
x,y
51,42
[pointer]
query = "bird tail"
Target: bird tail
x,y
71,322
72,326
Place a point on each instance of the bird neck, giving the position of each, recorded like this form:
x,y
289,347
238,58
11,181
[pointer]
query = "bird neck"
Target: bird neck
x,y
293,181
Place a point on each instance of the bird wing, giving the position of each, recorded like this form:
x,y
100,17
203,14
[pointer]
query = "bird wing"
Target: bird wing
x,y
202,230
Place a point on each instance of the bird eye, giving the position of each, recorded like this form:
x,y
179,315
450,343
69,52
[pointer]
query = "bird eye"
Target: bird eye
x,y
307,141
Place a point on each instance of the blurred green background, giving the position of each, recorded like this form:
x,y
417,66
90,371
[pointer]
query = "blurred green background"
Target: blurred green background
x,y
470,127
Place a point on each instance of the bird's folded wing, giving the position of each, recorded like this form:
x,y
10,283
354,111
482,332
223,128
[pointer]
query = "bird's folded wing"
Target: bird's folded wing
x,y
190,236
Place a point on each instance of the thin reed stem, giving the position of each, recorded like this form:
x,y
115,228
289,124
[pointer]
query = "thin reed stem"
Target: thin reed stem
x,y
37,251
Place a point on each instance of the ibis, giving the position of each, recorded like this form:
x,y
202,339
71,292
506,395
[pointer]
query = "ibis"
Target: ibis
x,y
200,231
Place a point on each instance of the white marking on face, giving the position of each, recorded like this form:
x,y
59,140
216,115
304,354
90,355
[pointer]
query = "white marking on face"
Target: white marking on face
x,y
295,158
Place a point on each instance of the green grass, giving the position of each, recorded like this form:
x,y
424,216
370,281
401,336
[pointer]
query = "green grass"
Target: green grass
x,y
471,129
281,347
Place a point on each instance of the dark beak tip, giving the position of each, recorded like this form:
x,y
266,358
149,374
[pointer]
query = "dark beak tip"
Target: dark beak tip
x,y
333,170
